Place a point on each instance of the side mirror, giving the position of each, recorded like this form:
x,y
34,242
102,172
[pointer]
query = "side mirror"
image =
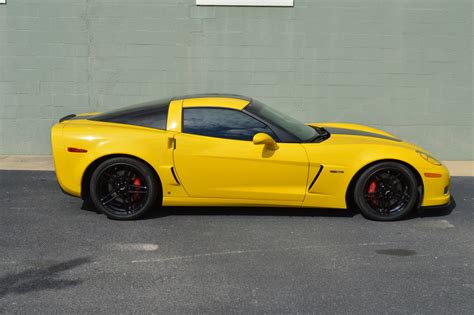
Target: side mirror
x,y
267,140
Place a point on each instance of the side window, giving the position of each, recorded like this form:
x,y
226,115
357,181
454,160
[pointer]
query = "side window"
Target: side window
x,y
146,115
222,123
151,118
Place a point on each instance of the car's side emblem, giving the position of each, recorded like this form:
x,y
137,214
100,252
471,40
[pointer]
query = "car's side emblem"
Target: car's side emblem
x,y
336,171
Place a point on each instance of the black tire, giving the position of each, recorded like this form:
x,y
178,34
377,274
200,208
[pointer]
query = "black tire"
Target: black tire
x,y
124,188
386,191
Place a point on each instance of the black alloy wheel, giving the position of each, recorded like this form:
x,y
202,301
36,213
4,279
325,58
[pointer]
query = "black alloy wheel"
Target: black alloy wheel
x,y
123,188
386,191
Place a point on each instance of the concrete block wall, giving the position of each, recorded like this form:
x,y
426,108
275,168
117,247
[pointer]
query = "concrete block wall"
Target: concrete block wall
x,y
401,65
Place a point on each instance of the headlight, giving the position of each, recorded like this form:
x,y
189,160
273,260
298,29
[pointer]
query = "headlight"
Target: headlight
x,y
429,158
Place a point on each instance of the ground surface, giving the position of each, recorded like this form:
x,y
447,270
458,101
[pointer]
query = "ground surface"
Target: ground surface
x,y
55,256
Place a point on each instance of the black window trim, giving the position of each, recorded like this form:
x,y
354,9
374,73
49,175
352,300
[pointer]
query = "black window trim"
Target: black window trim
x,y
227,108
283,134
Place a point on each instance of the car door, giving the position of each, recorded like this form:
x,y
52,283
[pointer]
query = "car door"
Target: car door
x,y
215,157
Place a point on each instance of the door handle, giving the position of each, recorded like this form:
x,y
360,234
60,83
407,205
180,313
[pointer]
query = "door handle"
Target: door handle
x,y
171,143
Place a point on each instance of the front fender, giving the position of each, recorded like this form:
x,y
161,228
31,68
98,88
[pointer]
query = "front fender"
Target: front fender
x,y
341,160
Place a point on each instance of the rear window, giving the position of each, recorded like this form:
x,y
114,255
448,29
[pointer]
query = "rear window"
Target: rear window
x,y
152,115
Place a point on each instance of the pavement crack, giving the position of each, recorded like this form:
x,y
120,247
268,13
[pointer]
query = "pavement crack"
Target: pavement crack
x,y
248,251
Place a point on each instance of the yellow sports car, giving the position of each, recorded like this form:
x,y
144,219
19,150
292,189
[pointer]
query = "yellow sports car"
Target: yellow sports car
x,y
230,150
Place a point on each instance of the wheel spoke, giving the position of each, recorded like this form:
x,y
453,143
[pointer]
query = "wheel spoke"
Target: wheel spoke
x,y
399,195
128,176
374,194
108,178
383,204
128,204
137,189
109,197
378,179
403,194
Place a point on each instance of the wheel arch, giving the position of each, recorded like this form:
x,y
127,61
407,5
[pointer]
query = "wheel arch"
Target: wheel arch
x,y
350,189
85,192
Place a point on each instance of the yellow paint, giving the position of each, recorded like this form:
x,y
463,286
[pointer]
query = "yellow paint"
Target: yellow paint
x,y
102,139
266,140
87,114
215,102
218,172
349,154
175,116
222,168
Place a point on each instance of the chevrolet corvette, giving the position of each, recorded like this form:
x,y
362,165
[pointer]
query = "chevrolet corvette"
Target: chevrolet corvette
x,y
231,150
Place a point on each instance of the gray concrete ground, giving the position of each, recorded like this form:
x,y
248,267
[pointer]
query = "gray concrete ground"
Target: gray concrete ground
x,y
57,257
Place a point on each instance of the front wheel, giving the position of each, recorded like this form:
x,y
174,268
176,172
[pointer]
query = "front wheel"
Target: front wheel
x,y
386,191
123,188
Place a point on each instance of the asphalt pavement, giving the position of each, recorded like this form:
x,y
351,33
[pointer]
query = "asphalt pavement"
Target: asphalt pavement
x,y
57,255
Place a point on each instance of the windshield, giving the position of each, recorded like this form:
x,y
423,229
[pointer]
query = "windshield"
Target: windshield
x,y
285,122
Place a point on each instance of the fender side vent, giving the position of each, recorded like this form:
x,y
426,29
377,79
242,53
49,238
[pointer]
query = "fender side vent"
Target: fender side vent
x,y
174,176
316,177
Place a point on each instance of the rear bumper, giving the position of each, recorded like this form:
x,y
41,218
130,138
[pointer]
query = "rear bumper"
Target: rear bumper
x,y
68,166
66,192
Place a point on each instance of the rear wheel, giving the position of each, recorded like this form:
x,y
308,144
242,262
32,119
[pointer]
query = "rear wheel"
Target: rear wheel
x,y
123,188
386,191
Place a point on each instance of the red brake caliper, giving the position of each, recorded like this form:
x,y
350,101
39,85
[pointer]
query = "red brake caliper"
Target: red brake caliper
x,y
136,182
371,190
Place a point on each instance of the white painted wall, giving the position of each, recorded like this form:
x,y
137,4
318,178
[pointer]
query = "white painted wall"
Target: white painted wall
x,y
284,3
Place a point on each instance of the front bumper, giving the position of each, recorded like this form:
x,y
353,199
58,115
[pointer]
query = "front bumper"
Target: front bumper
x,y
436,190
446,206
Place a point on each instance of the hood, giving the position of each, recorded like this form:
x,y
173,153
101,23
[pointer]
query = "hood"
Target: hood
x,y
354,129
346,133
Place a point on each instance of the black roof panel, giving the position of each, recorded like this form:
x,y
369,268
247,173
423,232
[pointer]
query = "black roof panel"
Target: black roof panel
x,y
241,97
